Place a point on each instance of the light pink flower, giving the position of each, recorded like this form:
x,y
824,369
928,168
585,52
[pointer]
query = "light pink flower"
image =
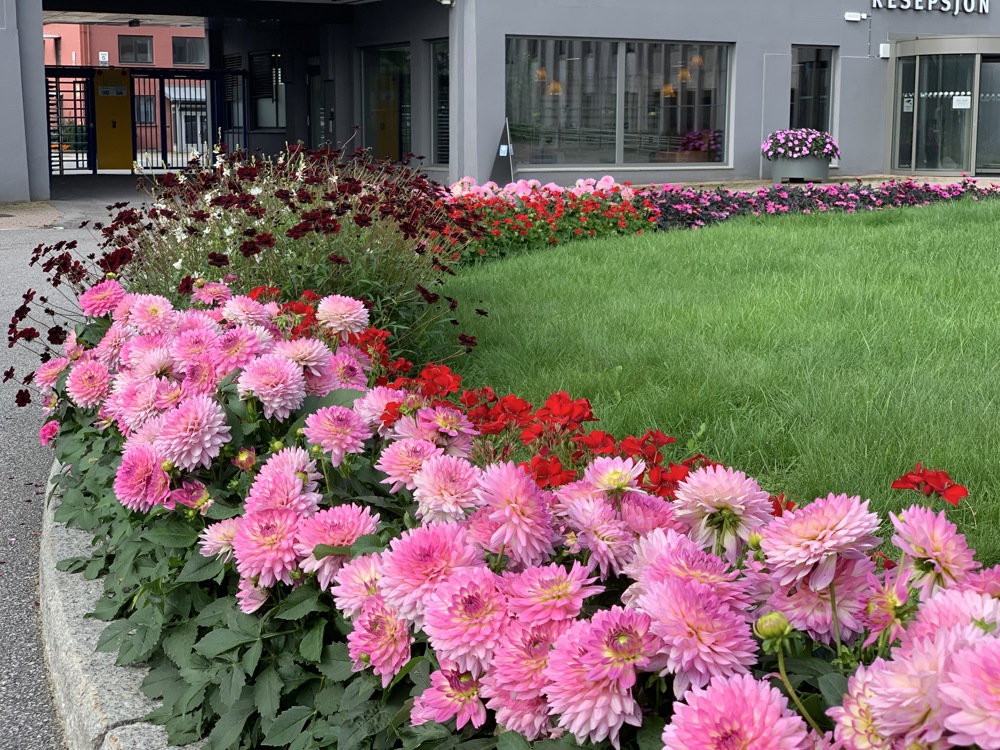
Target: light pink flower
x,y
277,383
806,543
211,293
453,694
264,546
101,298
48,432
946,609
984,581
245,311
401,460
338,431
340,526
882,615
970,694
540,595
854,726
371,406
614,474
519,508
380,639
934,550
137,402
109,349
600,530
721,507
619,644
643,513
140,481
201,376
193,433
356,583
312,355
192,495
88,383
47,374
191,343
445,489
465,618
421,560
444,421
342,315
217,539
151,314
287,480
735,712
251,597
346,371
239,346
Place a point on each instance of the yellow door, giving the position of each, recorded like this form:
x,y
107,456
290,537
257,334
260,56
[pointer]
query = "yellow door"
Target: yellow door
x,y
113,118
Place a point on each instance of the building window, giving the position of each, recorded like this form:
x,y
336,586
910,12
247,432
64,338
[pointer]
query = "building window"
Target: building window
x,y
386,86
135,49
582,101
812,84
145,110
189,50
442,105
267,90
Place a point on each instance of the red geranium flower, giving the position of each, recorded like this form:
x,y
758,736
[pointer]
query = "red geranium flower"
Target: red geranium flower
x,y
931,482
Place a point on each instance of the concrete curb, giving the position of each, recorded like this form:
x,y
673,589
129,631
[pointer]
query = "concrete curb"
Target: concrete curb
x,y
98,702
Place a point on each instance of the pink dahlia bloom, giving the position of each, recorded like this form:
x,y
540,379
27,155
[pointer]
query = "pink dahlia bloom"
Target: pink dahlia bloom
x,y
338,431
217,539
643,513
529,717
245,311
806,543
524,531
946,609
193,433
371,406
881,617
192,495
48,432
380,639
211,293
189,320
592,710
264,546
619,644
251,597
599,529
101,298
137,403
201,376
854,728
419,562
108,350
151,362
342,315
970,694
721,507
465,618
517,671
140,481
151,314
735,712
239,346
287,480
984,582
88,383
444,421
47,374
356,583
703,638
453,694
937,554
277,382
401,460
613,474
192,343
445,489
347,372
336,527
540,595
312,355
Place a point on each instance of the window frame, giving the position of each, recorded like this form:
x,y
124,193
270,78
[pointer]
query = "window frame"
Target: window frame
x,y
831,87
260,90
133,57
187,48
440,146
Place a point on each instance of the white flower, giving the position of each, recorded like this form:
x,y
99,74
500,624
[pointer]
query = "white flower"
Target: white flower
x,y
179,263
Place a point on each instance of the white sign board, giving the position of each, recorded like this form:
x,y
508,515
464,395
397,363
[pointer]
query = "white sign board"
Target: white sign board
x,y
104,58
961,102
907,103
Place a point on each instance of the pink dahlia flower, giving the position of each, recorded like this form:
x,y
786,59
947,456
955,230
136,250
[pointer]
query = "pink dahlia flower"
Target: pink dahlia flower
x,y
239,347
151,314
336,527
946,609
540,595
277,382
245,311
88,383
721,507
890,593
264,546
201,376
703,638
137,403
342,315
192,343
465,618
854,728
338,431
613,474
108,350
193,433
371,406
48,432
619,644
592,710
643,513
47,374
934,550
453,694
419,562
211,293
140,481
401,460
101,298
217,539
517,670
251,597
356,583
529,717
379,639
735,712
970,694
520,509
192,495
984,582
806,543
445,421
445,489
287,480
600,530
347,372
312,355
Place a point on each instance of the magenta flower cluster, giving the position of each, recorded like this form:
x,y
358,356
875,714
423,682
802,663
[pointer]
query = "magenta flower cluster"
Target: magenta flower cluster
x,y
799,143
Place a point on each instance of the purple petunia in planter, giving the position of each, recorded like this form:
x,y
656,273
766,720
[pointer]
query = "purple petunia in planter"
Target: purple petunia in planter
x,y
801,154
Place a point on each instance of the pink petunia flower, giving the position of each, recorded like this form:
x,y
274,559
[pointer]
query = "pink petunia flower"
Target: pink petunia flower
x,y
465,617
401,460
445,489
88,383
519,508
101,298
340,526
342,315
193,433
277,382
453,694
935,552
540,595
380,639
338,431
264,546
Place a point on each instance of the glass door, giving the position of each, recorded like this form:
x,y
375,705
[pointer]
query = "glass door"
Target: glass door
x,y
906,89
988,123
387,102
944,113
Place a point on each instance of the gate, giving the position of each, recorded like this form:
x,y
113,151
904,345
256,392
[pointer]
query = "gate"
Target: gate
x,y
176,114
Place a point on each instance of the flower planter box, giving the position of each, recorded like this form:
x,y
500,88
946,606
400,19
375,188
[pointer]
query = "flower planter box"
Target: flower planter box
x,y
803,169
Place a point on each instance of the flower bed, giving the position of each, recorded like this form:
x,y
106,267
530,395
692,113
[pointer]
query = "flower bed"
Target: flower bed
x,y
315,544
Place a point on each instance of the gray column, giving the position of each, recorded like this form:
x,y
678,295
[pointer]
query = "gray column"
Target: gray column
x,y
14,180
36,136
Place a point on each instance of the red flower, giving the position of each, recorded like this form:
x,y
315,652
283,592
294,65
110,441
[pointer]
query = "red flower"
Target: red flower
x,y
931,482
780,506
439,380
549,472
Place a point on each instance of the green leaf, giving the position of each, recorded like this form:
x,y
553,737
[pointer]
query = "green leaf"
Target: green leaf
x,y
252,656
216,612
359,691
367,544
311,646
326,550
650,734
229,727
172,534
481,743
300,602
219,641
337,664
145,625
405,670
199,569
287,727
833,687
178,646
328,699
809,666
232,685
516,741
160,681
267,693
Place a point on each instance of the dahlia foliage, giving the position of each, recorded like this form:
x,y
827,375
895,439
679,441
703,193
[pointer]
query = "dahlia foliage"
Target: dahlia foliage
x,y
551,579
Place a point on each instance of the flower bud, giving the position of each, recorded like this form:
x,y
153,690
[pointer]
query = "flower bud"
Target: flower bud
x,y
772,625
111,275
199,283
754,539
167,466
277,445
316,450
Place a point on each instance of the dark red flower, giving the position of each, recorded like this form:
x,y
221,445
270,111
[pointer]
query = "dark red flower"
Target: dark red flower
x,y
931,482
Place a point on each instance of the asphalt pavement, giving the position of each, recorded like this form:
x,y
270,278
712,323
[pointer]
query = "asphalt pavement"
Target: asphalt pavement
x,y
27,717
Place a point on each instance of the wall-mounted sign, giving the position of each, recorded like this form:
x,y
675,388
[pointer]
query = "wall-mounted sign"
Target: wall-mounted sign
x,y
907,103
954,7
961,102
103,58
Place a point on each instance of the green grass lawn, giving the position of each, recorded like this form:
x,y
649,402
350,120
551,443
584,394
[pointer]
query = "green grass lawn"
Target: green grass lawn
x,y
824,353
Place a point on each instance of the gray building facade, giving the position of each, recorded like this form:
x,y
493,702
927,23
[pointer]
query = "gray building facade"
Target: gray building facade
x,y
648,91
